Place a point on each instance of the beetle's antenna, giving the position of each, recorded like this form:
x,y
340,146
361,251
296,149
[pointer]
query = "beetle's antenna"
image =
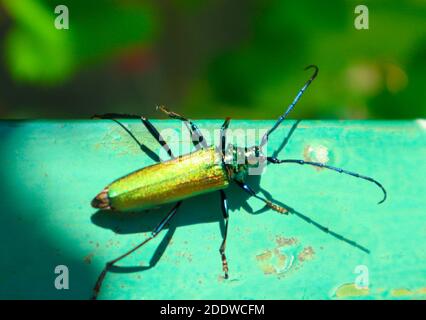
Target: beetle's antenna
x,y
291,106
322,165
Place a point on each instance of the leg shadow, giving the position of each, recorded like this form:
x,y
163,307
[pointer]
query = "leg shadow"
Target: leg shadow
x,y
336,235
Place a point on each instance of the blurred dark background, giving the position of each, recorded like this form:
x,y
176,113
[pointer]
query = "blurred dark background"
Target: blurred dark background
x,y
211,59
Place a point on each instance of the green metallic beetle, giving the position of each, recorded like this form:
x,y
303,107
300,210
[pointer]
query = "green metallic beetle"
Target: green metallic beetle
x,y
209,169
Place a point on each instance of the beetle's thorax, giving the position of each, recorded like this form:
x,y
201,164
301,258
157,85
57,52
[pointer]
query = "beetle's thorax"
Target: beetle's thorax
x,y
240,160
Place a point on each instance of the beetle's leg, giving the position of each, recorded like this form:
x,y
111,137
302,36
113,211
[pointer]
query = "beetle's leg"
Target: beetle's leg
x,y
148,125
322,165
143,147
223,129
251,192
224,207
196,136
157,136
112,116
154,233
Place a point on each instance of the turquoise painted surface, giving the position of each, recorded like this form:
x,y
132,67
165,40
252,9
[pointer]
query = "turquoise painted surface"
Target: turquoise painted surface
x,y
52,169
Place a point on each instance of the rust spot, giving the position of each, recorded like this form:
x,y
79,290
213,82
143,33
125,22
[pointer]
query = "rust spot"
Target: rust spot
x,y
185,255
306,254
265,262
264,256
351,290
281,259
88,259
272,262
401,292
285,242
288,256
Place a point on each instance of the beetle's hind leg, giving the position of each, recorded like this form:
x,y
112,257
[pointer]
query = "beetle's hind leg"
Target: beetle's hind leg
x,y
154,233
148,125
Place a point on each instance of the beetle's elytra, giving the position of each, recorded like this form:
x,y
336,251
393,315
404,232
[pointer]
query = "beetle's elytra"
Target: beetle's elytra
x,y
171,181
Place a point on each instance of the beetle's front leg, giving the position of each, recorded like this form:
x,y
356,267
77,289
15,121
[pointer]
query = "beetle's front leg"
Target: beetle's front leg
x,y
224,207
251,192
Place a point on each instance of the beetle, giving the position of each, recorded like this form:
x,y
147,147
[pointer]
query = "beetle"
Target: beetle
x,y
208,169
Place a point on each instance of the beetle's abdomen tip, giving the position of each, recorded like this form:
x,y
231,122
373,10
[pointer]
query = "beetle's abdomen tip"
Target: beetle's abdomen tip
x,y
101,201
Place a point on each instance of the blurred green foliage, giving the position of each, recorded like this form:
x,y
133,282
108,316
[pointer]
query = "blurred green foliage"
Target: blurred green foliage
x,y
211,59
40,54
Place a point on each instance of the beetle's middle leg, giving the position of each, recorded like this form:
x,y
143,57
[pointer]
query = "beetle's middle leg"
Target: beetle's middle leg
x,y
196,136
154,233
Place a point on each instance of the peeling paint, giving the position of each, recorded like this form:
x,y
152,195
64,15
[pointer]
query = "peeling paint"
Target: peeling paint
x,y
88,259
306,254
348,290
287,256
283,241
405,292
272,262
316,153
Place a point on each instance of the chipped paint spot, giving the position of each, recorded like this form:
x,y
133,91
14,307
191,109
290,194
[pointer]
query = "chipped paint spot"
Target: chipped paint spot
x,y
88,259
316,153
351,290
264,256
287,256
272,262
264,262
405,292
284,242
306,254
